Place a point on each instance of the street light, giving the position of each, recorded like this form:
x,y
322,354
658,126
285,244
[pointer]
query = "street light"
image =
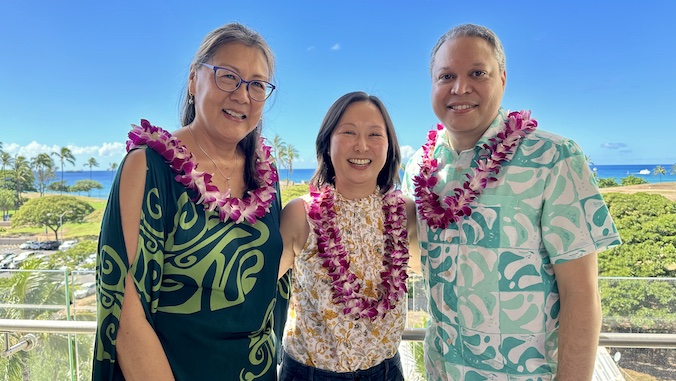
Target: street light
x,y
60,221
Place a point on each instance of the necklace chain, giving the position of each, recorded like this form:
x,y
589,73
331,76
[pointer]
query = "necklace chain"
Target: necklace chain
x,y
227,178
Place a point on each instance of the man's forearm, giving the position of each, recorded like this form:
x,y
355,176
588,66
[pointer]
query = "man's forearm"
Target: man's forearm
x,y
579,326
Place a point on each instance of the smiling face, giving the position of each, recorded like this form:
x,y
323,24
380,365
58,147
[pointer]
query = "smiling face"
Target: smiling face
x,y
358,149
230,116
467,88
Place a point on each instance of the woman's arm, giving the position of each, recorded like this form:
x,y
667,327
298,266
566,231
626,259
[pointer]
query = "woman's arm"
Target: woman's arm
x,y
295,230
411,227
139,350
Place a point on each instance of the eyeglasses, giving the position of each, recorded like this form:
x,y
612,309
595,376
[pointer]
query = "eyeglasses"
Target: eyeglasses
x,y
229,81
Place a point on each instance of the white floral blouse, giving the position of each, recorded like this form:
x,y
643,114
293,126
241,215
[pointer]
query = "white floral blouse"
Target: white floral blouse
x,y
317,333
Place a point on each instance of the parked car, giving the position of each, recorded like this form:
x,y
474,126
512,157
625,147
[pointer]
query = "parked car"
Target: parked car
x,y
85,290
30,245
7,260
19,259
49,245
65,245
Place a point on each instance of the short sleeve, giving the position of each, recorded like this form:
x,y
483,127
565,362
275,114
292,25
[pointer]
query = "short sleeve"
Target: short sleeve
x,y
575,219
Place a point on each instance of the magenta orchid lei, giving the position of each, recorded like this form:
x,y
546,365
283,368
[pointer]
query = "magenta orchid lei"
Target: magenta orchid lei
x,y
181,162
345,285
497,151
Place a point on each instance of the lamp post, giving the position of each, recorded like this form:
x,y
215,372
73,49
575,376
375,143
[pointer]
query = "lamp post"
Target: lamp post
x,y
60,222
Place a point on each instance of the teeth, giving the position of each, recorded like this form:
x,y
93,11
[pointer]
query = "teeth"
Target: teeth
x,y
462,107
235,114
359,161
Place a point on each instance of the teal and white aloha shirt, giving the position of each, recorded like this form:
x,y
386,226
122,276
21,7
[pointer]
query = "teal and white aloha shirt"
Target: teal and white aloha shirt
x,y
493,299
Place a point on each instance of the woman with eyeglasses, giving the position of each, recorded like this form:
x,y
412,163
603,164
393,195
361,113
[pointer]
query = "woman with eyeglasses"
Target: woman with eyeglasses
x,y
348,244
190,245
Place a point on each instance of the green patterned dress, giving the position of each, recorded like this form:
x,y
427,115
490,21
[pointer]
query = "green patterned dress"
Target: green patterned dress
x,y
493,297
209,288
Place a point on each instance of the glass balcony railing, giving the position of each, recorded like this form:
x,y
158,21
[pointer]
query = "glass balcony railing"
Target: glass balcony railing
x,y
47,327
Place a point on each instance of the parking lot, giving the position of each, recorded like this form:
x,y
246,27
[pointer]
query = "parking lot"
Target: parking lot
x,y
12,255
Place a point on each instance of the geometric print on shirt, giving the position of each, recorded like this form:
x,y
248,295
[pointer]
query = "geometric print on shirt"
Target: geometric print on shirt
x,y
493,298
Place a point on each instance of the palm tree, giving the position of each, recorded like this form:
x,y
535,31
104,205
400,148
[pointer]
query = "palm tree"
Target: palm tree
x,y
673,169
6,160
44,166
64,155
113,169
22,173
91,163
278,148
41,288
290,153
659,171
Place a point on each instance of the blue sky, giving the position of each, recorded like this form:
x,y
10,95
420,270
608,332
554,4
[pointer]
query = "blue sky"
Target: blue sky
x,y
76,73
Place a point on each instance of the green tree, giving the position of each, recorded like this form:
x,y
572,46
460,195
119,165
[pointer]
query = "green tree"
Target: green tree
x,y
7,201
44,168
64,155
58,186
23,175
6,160
608,183
673,169
659,171
290,154
39,288
647,225
632,180
91,163
51,211
86,186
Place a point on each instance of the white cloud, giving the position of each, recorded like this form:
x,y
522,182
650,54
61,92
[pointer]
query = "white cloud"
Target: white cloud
x,y
406,153
30,150
335,46
310,48
613,145
112,149
76,150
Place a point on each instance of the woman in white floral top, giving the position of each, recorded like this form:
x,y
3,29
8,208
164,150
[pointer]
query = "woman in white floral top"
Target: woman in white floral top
x,y
348,244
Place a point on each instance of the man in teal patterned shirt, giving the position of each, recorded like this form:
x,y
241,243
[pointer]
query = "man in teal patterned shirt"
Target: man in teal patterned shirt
x,y
510,221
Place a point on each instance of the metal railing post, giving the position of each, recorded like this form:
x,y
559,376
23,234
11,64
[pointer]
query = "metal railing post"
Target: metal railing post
x,y
26,343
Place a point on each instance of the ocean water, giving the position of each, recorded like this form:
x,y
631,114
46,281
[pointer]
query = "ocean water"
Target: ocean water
x,y
644,171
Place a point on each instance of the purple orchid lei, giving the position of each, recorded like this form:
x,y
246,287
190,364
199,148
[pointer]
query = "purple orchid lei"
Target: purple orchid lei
x,y
497,151
345,285
181,162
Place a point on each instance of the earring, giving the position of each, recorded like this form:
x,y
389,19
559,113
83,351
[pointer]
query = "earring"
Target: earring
x,y
191,100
